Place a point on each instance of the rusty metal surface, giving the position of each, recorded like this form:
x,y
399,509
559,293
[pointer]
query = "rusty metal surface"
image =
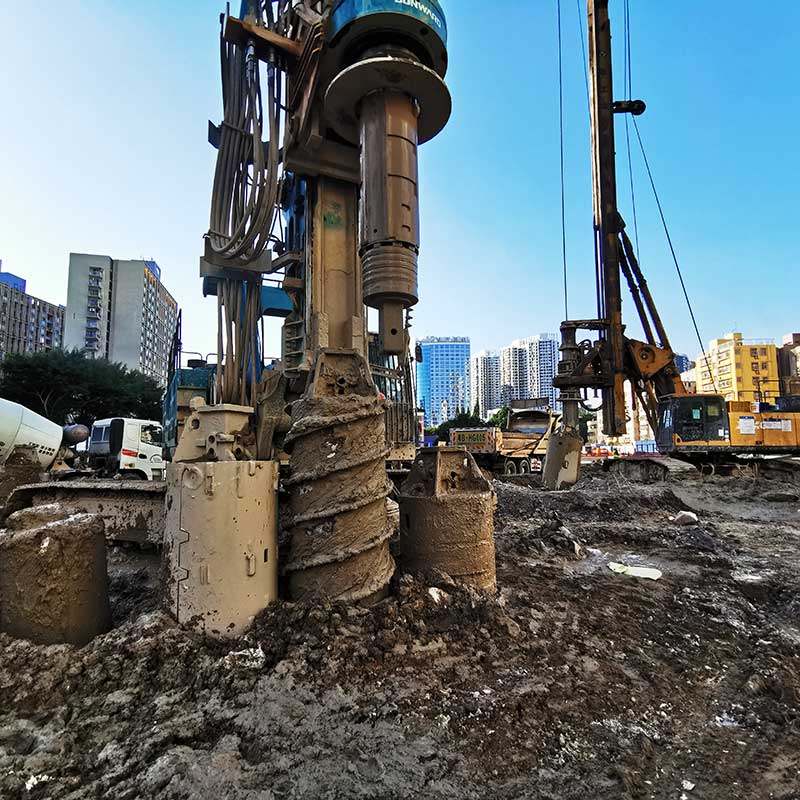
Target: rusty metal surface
x,y
338,485
447,518
53,577
132,511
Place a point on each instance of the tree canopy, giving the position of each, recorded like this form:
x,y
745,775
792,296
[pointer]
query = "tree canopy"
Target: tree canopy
x,y
463,420
66,387
500,419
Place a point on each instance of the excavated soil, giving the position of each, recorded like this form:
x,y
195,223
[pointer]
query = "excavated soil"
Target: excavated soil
x,y
571,682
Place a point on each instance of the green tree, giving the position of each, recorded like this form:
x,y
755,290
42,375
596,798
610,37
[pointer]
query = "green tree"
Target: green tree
x,y
584,418
66,386
462,420
500,419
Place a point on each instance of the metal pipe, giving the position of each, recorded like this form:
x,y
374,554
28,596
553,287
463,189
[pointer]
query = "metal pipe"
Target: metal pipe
x,y
642,282
607,220
637,299
389,210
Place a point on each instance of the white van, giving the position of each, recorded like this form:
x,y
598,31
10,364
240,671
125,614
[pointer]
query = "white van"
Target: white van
x,y
130,448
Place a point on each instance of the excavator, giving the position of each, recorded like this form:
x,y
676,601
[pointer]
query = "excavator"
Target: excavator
x,y
700,429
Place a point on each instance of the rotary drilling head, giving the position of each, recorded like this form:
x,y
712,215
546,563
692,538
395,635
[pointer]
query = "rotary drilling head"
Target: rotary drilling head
x,y
390,97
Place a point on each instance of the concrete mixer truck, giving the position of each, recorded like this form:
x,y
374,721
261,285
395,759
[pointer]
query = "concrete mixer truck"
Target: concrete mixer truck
x,y
33,439
31,446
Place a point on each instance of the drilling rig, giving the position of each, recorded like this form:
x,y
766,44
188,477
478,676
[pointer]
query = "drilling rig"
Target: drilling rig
x,y
604,364
327,206
703,430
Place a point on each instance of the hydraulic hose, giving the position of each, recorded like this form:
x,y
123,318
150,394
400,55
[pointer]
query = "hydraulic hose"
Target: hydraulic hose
x,y
244,201
245,192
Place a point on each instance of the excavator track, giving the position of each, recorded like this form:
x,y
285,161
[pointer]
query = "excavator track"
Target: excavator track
x,y
649,469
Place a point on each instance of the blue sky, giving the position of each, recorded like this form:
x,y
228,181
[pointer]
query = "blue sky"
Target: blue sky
x,y
103,144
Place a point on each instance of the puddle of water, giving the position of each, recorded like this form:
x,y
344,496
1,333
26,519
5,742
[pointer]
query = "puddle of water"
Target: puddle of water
x,y
598,560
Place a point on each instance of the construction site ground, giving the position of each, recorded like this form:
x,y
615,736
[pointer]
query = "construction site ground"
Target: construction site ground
x,y
572,682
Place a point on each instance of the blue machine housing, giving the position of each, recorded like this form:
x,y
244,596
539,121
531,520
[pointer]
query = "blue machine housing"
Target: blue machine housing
x,y
409,22
199,382
428,12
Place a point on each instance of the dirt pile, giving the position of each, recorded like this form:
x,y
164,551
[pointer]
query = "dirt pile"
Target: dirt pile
x,y
571,682
21,467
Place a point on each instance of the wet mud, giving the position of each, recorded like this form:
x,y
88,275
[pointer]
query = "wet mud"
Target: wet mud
x,y
570,681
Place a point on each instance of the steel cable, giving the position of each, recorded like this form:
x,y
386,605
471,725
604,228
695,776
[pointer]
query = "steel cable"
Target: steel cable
x,y
628,81
672,251
561,153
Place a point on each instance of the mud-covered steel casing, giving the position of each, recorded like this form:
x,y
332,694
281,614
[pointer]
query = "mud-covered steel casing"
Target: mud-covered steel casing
x,y
420,23
53,576
562,464
221,543
447,518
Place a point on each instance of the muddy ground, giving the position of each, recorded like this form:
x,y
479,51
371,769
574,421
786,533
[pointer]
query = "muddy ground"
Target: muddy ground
x,y
573,682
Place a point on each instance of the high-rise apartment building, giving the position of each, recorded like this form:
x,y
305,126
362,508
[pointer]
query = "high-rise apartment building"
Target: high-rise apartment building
x,y
543,367
121,311
739,369
484,375
683,363
443,378
689,379
27,324
527,369
12,281
514,372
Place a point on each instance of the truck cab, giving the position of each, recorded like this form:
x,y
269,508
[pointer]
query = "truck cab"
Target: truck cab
x,y
130,448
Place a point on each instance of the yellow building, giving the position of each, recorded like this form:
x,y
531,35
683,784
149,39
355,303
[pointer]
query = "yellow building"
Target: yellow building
x,y
739,369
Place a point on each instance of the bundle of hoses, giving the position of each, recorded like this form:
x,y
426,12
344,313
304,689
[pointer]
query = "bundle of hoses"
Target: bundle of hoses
x,y
243,209
246,180
338,486
238,353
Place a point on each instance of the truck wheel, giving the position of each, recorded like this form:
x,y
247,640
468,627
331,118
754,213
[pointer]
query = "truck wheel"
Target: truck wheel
x,y
132,475
509,468
524,467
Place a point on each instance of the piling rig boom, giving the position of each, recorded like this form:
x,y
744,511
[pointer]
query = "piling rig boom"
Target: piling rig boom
x,y
605,361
